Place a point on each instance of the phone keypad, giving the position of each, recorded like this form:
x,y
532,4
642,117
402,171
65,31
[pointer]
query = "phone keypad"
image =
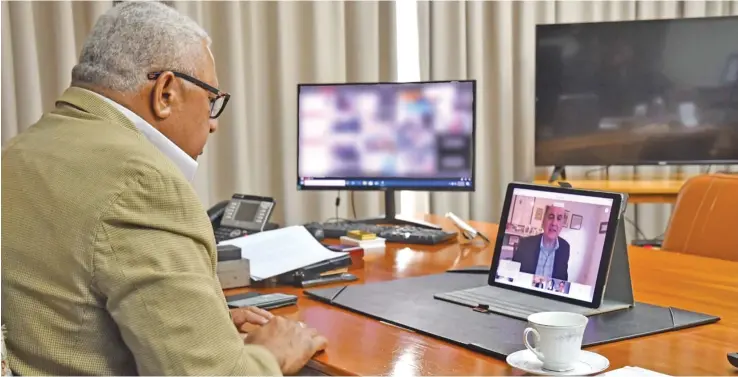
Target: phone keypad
x,y
262,212
223,233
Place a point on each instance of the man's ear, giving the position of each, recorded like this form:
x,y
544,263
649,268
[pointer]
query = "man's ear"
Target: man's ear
x,y
163,95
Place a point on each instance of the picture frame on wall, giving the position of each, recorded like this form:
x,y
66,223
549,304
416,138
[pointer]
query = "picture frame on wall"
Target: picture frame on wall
x,y
576,222
603,227
539,214
567,219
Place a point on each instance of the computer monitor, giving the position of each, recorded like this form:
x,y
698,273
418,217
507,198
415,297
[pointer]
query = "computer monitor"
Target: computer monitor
x,y
386,137
637,92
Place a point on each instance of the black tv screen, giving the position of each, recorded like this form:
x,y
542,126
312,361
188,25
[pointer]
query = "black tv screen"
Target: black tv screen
x,y
637,92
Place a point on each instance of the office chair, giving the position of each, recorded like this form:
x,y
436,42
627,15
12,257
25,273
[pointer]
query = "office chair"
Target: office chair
x,y
704,220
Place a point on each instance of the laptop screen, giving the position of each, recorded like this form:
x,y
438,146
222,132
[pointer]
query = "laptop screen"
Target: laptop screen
x,y
553,242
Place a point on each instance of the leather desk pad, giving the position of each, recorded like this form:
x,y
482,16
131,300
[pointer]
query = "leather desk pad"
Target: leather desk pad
x,y
409,303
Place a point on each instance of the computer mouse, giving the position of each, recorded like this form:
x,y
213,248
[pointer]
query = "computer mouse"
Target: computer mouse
x,y
733,359
318,234
316,229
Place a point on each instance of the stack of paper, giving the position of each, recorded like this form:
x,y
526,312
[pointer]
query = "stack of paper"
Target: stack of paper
x,y
281,250
633,371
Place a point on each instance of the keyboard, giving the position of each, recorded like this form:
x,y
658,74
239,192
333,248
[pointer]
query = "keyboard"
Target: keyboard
x,y
224,233
391,233
490,296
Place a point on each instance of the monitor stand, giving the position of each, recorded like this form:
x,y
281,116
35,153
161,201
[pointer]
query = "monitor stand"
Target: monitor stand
x,y
390,215
559,170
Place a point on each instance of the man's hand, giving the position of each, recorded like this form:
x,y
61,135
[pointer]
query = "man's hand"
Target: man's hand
x,y
290,342
250,315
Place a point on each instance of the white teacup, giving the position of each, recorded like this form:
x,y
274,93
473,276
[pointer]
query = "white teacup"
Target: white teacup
x,y
557,338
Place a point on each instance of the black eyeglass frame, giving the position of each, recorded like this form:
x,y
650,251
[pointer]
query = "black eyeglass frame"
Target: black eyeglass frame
x,y
218,93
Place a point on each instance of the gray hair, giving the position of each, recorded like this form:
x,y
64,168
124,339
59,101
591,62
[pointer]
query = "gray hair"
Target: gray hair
x,y
135,38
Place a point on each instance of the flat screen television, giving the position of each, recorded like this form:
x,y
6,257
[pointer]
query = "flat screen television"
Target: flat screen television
x,y
637,92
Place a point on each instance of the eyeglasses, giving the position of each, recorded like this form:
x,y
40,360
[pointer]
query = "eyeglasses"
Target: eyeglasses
x,y
217,103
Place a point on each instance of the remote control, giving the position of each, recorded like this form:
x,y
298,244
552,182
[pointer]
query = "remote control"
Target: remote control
x,y
733,359
466,229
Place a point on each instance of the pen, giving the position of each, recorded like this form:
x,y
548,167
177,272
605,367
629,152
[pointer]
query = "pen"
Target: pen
x,y
338,293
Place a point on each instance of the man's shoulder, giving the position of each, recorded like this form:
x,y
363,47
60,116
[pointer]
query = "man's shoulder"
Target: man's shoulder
x,y
563,244
113,149
94,156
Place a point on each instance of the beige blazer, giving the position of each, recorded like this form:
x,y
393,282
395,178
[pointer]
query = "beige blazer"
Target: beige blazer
x,y
108,257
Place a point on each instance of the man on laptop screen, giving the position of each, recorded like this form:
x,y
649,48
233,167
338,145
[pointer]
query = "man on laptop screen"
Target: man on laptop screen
x,y
546,254
553,242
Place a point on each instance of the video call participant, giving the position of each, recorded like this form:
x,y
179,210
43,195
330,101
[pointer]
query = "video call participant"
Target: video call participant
x,y
108,257
546,254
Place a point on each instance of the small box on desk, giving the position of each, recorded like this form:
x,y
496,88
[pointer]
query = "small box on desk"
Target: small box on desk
x,y
371,244
228,253
357,259
360,235
355,252
232,270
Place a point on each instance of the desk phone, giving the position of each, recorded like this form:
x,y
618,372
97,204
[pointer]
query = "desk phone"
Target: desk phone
x,y
241,215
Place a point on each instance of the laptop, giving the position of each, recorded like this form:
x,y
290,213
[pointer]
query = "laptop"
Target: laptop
x,y
553,252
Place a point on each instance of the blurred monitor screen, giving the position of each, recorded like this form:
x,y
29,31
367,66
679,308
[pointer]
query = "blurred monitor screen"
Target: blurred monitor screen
x,y
637,92
386,136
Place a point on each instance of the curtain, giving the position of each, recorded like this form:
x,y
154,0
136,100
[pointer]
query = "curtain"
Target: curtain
x,y
263,49
493,42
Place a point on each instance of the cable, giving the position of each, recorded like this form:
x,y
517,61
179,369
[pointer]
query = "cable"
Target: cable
x,y
338,203
638,230
353,205
590,171
336,218
707,170
643,235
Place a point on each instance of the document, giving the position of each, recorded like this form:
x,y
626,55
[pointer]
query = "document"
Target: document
x,y
632,371
281,250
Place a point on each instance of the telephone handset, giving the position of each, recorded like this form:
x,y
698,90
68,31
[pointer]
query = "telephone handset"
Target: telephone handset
x,y
241,215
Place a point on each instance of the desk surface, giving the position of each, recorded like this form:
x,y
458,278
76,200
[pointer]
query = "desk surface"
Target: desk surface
x,y
359,345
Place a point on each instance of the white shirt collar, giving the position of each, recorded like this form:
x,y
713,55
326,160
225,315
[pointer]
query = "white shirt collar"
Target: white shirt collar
x,y
186,164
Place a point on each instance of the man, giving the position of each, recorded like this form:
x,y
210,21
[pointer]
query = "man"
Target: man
x,y
108,258
546,254
562,287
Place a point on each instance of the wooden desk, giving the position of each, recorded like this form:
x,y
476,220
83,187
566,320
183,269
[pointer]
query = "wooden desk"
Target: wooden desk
x,y
359,345
640,191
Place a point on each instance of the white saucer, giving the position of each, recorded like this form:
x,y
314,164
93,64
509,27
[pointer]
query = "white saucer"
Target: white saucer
x,y
589,363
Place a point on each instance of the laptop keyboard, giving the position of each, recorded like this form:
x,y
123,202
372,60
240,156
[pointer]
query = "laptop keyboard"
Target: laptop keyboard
x,y
490,296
